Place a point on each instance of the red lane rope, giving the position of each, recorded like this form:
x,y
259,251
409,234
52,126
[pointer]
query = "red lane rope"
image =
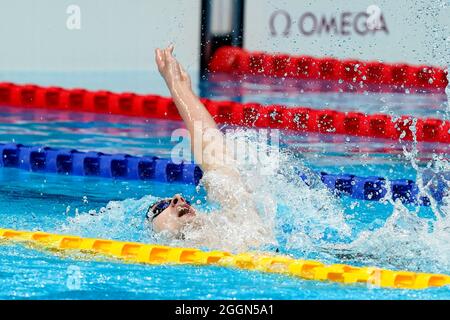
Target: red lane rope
x,y
236,61
300,119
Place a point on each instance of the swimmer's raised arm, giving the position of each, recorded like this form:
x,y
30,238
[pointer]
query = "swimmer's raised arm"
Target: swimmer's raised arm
x,y
221,179
191,109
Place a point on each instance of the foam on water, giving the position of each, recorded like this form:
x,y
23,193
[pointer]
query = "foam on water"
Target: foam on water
x,y
120,220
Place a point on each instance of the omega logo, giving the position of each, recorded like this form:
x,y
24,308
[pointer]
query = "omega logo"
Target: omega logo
x,y
344,24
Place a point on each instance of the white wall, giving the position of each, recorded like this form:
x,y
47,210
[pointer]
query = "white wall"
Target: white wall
x,y
120,35
419,31
114,34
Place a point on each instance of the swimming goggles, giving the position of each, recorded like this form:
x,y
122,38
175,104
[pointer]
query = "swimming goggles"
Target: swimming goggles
x,y
160,206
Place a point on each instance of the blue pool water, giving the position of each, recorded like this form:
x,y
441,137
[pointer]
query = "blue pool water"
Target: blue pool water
x,y
310,224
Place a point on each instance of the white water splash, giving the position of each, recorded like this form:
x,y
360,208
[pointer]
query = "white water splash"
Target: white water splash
x,y
122,220
316,217
408,240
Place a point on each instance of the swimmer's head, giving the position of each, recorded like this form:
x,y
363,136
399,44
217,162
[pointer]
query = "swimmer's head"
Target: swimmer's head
x,y
170,215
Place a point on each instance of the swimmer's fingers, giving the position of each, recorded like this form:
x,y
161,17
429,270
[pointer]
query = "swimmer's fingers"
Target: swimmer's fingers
x,y
172,66
159,60
169,51
171,70
168,54
168,58
165,61
176,65
171,62
162,57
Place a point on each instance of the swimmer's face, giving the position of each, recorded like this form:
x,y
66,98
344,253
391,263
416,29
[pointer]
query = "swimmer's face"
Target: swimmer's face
x,y
176,216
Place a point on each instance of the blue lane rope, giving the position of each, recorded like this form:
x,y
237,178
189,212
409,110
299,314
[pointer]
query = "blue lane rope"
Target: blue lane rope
x,y
124,166
96,164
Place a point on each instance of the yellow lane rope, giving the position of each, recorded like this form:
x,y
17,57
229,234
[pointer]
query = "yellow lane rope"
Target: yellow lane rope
x,y
155,254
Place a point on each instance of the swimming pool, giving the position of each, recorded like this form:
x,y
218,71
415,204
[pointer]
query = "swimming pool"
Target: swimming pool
x,y
346,230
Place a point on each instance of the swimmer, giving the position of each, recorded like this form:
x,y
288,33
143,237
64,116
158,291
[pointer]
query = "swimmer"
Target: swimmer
x,y
238,224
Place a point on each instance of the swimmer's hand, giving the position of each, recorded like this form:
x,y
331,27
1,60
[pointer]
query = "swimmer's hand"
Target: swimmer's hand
x,y
171,70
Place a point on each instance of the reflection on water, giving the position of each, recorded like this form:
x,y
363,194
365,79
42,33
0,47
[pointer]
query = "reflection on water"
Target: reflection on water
x,y
315,95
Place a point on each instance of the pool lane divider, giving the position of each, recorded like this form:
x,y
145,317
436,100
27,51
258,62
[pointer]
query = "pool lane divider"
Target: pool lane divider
x,y
297,119
132,252
363,75
127,167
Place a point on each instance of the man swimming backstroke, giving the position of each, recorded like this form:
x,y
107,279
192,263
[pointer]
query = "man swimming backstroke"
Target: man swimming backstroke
x,y
238,224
